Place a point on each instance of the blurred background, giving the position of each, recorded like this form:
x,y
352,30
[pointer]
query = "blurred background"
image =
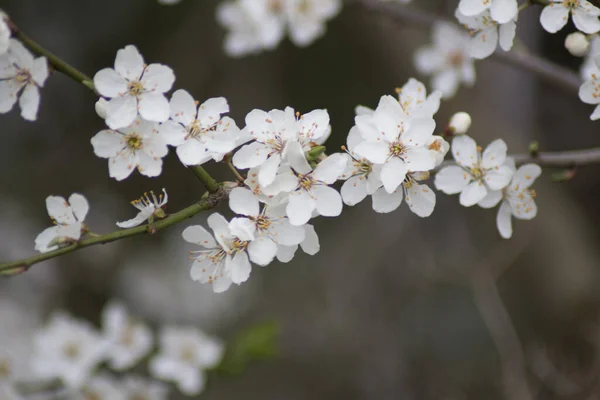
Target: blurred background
x,y
393,306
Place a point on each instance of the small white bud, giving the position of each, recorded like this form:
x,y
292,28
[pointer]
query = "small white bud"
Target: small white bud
x,y
101,106
577,44
460,123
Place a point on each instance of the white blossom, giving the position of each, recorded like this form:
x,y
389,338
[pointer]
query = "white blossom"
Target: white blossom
x,y
476,174
306,18
132,87
517,198
310,245
486,33
460,123
199,132
420,198
144,389
448,59
501,11
21,77
555,15
253,25
589,92
222,261
150,207
588,67
140,146
130,339
68,349
68,218
577,44
273,132
183,356
267,229
102,387
395,141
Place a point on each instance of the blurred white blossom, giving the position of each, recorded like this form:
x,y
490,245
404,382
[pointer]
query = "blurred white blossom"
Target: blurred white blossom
x,y
102,387
183,356
589,92
68,218
140,388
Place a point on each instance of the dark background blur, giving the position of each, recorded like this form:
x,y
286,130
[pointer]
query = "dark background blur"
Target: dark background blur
x,y
386,309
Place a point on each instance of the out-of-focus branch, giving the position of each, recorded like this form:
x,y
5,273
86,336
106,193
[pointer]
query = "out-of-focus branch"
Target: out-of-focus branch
x,y
19,266
546,70
55,62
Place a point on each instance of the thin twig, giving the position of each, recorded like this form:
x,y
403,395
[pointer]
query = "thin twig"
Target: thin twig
x,y
16,267
550,72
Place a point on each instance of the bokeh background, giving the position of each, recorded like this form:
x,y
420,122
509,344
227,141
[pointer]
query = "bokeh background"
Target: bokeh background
x,y
393,306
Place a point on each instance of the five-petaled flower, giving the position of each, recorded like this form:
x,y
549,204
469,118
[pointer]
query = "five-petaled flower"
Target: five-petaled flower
x,y
150,207
501,11
21,76
555,15
133,87
68,218
139,145
486,33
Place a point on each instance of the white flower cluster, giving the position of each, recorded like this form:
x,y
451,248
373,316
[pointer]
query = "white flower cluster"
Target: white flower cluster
x,y
258,25
73,351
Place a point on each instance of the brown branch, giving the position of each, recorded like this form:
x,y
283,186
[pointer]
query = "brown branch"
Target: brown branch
x,y
546,70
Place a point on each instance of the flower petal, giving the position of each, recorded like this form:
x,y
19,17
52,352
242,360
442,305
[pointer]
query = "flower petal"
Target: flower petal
x,y
494,155
198,235
129,63
243,201
154,107
328,201
503,220
262,251
393,173
121,111
452,180
473,194
158,78
109,83
300,207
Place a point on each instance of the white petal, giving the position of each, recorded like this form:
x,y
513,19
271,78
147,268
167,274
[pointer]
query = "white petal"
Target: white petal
x,y
418,132
472,7
300,207
183,107
494,155
420,159
554,17
484,43
250,155
79,205
584,21
192,152
285,254
219,225
43,240
59,210
504,10
376,152
503,220
158,78
210,111
286,234
310,245
139,219
39,72
8,94
243,228
243,201
129,63
173,133
148,165
384,202
393,173
587,92
420,199
526,175
354,190
452,180
330,169
121,111
268,170
109,83
464,150
198,235
154,107
120,167
240,267
328,201
296,157
507,34
262,251
491,199
108,143
499,178
473,194
30,102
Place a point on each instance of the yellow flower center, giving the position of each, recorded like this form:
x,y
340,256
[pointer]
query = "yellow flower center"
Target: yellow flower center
x,y
23,76
306,182
72,350
263,222
135,88
397,149
134,141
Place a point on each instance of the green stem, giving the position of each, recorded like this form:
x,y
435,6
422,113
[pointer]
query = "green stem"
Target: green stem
x,y
19,266
208,181
56,62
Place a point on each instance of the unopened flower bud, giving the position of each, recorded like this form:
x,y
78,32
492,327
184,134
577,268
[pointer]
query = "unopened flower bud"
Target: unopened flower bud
x,y
460,123
101,106
577,44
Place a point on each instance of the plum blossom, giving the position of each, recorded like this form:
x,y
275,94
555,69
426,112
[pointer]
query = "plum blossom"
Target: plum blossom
x,y
306,18
136,387
555,15
102,387
267,228
448,59
589,92
221,262
476,174
273,132
501,11
140,146
253,26
184,355
395,141
132,87
517,198
130,339
150,207
486,33
199,132
21,77
68,349
68,218
420,198
588,67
